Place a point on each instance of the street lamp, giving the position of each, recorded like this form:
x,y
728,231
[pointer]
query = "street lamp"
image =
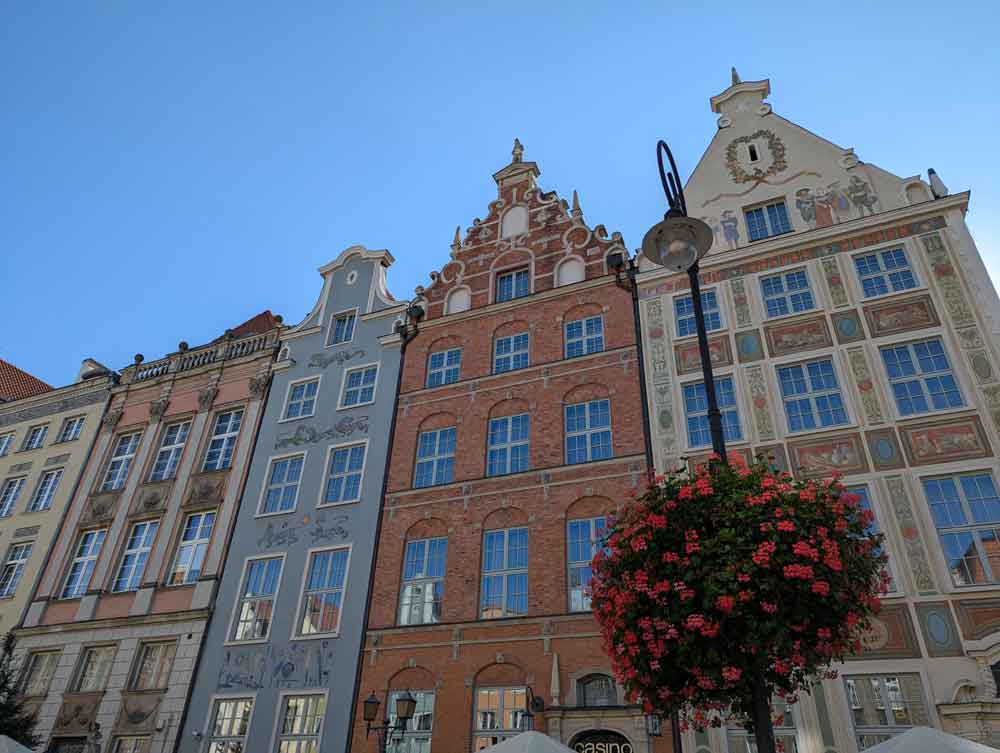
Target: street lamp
x,y
532,703
406,706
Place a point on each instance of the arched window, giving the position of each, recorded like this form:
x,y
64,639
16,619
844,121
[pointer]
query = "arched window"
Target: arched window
x,y
596,690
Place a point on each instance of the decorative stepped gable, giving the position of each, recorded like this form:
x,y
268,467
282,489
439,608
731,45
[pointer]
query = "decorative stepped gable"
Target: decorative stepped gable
x,y
524,227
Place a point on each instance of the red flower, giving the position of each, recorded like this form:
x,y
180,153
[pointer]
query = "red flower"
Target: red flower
x,y
821,587
725,604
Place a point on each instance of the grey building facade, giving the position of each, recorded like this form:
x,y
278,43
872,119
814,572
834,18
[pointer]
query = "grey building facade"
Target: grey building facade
x,y
278,666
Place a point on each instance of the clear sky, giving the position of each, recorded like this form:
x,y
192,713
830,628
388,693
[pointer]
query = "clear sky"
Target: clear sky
x,y
167,170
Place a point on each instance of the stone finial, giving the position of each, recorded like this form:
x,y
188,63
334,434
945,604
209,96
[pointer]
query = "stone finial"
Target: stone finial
x,y
182,346
518,151
938,188
138,358
576,212
736,76
457,242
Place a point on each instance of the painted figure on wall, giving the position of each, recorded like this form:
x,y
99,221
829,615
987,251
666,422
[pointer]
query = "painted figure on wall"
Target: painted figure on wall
x,y
718,237
805,202
861,196
730,228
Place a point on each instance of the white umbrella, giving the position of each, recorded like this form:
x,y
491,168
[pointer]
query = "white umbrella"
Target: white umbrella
x,y
928,740
531,742
8,745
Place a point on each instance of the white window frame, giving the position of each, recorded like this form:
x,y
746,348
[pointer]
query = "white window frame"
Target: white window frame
x,y
332,330
172,452
786,295
504,573
581,682
81,671
883,272
230,439
768,222
300,610
811,395
435,459
507,446
887,730
266,485
213,710
344,388
871,492
588,432
196,545
86,560
583,339
31,661
580,565
717,291
500,733
9,494
513,353
318,380
409,605
327,475
16,559
416,735
277,736
921,377
6,442
512,273
234,617
45,491
733,409
115,476
35,438
73,426
969,527
444,369
140,659
736,730
140,554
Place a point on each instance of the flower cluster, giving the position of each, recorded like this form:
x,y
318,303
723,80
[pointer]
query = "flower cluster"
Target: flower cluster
x,y
716,577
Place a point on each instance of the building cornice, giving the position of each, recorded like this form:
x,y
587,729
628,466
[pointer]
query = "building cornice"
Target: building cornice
x,y
111,623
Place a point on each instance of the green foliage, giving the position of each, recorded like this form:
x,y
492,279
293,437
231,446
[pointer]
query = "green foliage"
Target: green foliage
x,y
15,721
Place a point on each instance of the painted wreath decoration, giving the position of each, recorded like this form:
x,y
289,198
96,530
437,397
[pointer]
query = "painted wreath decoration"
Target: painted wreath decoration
x,y
774,144
734,580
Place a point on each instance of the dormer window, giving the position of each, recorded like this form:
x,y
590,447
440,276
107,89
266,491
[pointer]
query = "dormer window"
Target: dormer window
x,y
765,221
752,154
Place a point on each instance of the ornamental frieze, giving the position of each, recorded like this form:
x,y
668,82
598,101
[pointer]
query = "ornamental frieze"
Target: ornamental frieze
x,y
892,636
893,317
941,636
834,281
978,617
944,440
138,713
206,489
302,435
57,459
883,445
758,400
339,357
843,453
689,356
798,336
322,530
866,385
741,303
847,327
749,346
50,409
100,507
916,554
77,713
947,279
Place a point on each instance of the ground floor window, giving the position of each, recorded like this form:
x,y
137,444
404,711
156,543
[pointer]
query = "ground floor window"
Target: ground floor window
x,y
783,716
68,745
230,721
418,730
883,706
498,715
137,744
301,723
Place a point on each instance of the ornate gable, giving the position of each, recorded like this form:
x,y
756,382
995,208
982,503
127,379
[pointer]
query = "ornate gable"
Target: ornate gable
x,y
525,228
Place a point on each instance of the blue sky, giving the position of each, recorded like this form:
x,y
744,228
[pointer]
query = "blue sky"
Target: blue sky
x,y
167,170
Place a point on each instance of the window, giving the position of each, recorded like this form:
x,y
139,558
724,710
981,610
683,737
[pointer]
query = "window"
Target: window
x,y
884,706
95,668
87,551
752,155
342,328
787,293
6,440
301,723
510,353
505,573
302,399
152,670
343,480
920,377
40,666
588,431
435,458
966,512
71,429
417,738
696,410
36,437
596,690
498,715
508,445
9,493
768,220
46,491
684,313
282,489
324,591
811,396
13,567
137,549
191,552
121,460
131,744
260,586
359,386
230,721
423,581
223,442
884,272
785,737
512,285
444,367
169,454
865,503
585,537
584,336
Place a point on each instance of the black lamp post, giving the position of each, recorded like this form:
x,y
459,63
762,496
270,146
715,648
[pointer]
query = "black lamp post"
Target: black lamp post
x,y
406,706
532,703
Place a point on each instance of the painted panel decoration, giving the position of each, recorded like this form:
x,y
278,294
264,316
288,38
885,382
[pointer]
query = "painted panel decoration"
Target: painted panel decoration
x,y
656,337
138,713
947,280
992,397
296,665
658,342
797,336
866,386
903,315
77,713
776,454
834,281
883,446
945,440
892,636
978,617
689,357
740,302
938,628
916,553
758,399
847,327
749,347
821,457
969,339
979,361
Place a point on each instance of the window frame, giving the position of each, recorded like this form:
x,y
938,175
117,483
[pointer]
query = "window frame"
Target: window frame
x,y
18,483
423,580
887,730
970,526
572,564
502,733
786,295
411,733
884,273
580,683
6,442
921,377
18,565
588,432
584,339
284,417
212,436
508,446
240,596
444,368
812,395
512,272
296,635
75,557
873,495
266,484
514,352
81,666
276,734
139,659
29,443
73,423
763,207
505,572
332,328
195,543
127,459
715,290
29,665
330,451
796,731
138,551
49,490
174,452
434,459
213,711
144,746
344,388
723,410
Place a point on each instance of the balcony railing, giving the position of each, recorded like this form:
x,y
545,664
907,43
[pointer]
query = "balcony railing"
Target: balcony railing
x,y
185,360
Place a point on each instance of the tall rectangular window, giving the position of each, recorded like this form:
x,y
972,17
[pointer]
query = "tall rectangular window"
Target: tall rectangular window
x,y
785,733
359,386
6,442
344,474
230,722
884,272
512,285
498,715
191,550
787,293
36,437
768,220
39,668
95,668
684,313
46,490
444,367
865,502
696,411
584,336
966,513
13,568
417,738
323,592
811,395
921,377
510,353
152,668
342,328
588,431
301,719
88,549
9,493
121,460
131,744
884,706
223,442
71,429
435,458
423,581
301,399
508,450
505,573
585,537
256,606
168,457
282,489
137,549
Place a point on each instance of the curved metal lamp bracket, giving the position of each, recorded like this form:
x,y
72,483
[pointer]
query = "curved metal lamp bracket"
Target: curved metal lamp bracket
x,y
671,181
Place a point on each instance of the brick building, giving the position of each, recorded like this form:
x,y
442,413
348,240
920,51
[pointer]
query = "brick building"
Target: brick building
x,y
519,428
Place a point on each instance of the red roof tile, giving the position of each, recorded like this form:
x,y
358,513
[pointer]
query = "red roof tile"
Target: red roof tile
x,y
16,384
257,325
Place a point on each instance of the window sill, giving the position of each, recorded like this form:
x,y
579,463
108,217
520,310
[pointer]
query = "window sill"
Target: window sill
x,y
66,441
327,505
356,405
33,512
338,344
694,336
785,317
904,421
318,636
294,418
771,236
275,514
254,642
821,430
